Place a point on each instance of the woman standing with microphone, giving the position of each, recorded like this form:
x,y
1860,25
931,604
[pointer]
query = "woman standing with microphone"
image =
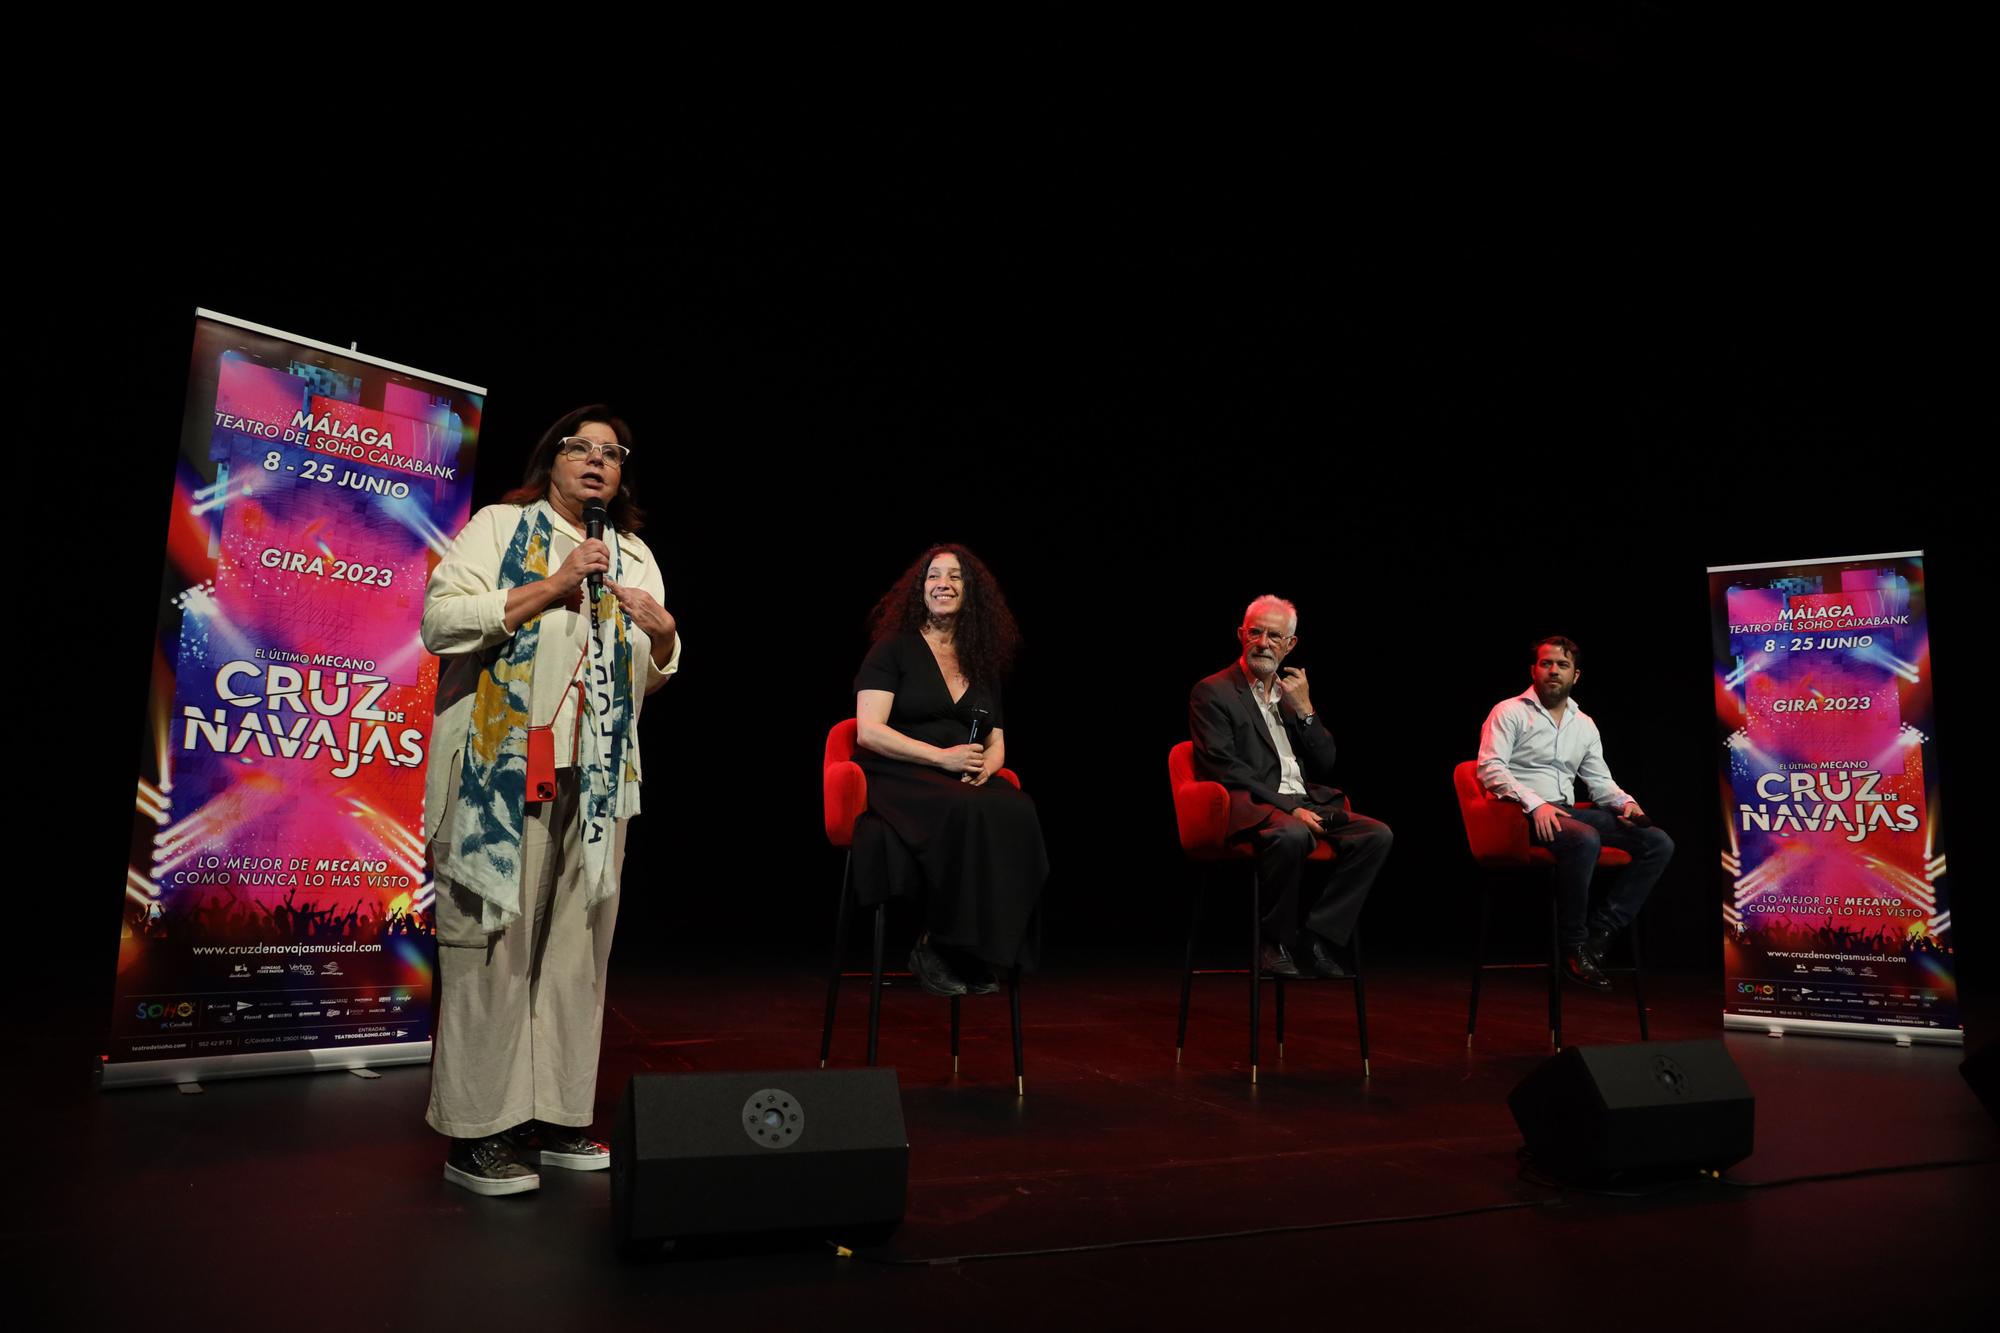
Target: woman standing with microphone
x,y
535,771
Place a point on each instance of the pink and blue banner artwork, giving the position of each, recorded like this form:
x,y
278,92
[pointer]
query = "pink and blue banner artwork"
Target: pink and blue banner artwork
x,y
1837,909
277,906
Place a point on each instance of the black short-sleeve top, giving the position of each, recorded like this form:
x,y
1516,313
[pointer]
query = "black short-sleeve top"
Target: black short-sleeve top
x,y
904,665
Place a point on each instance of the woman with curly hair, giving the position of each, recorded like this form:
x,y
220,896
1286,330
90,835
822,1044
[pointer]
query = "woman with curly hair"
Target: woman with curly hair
x,y
931,736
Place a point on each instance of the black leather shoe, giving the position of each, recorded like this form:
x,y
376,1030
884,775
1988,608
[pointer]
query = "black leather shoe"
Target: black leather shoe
x,y
979,979
1327,961
1276,961
1599,946
969,968
1580,966
933,973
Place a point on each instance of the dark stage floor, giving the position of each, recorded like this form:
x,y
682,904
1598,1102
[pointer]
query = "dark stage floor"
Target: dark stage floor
x,y
317,1201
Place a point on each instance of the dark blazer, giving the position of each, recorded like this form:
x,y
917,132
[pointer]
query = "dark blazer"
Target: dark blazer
x,y
1232,746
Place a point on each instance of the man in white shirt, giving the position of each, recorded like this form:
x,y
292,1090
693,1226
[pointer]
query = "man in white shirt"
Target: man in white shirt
x,y
1255,731
1532,750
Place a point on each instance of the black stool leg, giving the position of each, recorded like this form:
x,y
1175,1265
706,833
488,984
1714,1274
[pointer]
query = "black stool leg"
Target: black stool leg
x,y
1360,1002
1256,970
1014,1002
1478,960
839,953
1187,966
1278,1012
1555,978
954,1033
1639,981
875,989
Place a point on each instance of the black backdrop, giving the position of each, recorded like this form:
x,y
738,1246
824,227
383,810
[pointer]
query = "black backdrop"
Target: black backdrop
x,y
1514,335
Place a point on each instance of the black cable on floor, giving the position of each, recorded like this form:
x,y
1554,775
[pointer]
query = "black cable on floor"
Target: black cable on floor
x,y
1144,1242
1858,1173
1701,1177
1397,1219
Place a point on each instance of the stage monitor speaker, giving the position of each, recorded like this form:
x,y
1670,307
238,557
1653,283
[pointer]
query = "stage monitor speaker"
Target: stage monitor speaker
x,y
732,1154
1599,1112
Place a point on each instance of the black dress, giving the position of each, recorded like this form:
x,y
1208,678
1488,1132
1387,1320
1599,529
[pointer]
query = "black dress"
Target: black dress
x,y
973,855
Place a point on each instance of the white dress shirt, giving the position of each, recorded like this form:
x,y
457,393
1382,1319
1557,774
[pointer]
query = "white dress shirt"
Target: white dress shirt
x,y
1526,756
1292,780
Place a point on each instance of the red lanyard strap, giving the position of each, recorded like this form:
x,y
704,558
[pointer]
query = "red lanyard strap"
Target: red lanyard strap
x,y
572,686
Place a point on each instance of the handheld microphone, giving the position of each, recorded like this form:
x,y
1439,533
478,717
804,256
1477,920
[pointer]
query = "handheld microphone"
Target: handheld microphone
x,y
593,526
978,715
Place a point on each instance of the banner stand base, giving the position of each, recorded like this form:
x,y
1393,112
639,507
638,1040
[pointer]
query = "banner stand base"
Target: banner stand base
x,y
1809,1027
189,1072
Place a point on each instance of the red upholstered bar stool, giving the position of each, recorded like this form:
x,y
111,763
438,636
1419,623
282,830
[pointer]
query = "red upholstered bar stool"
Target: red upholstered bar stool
x,y
845,790
1498,835
1201,809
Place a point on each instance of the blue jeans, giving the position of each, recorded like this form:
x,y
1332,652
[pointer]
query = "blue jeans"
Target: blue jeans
x,y
1576,845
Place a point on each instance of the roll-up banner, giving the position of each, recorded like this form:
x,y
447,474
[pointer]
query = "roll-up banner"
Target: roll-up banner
x,y
1837,915
277,913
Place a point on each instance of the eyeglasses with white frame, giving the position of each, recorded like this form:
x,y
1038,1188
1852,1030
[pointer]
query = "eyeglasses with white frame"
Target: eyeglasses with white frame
x,y
577,448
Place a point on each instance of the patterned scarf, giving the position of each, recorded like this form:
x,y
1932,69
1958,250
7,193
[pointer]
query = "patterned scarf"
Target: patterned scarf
x,y
481,837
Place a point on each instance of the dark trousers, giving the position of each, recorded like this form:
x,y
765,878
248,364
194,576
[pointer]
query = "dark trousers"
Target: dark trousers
x,y
1360,846
1576,845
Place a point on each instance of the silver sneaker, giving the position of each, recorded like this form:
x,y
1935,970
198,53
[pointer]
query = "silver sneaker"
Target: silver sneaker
x,y
489,1166
559,1146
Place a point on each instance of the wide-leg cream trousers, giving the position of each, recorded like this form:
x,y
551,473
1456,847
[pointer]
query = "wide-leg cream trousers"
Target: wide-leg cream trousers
x,y
520,1013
